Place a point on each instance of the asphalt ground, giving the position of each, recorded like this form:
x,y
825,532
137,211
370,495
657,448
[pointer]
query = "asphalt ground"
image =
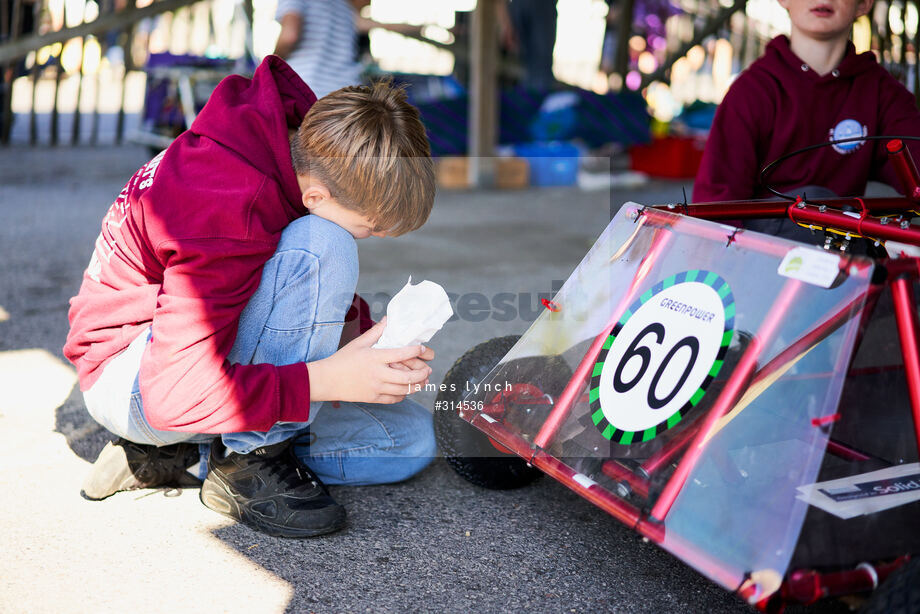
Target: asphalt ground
x,y
432,544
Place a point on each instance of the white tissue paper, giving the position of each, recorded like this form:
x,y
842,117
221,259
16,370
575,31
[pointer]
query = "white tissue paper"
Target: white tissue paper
x,y
415,314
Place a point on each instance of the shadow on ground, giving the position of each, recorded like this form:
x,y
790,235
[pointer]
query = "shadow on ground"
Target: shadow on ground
x,y
84,435
439,543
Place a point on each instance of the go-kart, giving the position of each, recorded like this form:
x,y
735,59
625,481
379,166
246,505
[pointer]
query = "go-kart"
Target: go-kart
x,y
749,403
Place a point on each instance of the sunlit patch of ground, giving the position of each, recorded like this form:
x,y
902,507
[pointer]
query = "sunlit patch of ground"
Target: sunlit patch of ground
x,y
136,551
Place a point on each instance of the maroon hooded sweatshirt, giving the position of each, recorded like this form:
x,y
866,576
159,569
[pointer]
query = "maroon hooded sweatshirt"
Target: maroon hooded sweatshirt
x,y
182,249
779,105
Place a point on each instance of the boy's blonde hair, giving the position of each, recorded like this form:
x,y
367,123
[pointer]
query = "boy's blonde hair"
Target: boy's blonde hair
x,y
367,146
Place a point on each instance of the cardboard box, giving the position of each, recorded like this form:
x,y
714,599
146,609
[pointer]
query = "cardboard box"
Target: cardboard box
x,y
453,173
512,173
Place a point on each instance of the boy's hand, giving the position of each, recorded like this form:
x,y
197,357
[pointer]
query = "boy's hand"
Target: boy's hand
x,y
358,372
415,363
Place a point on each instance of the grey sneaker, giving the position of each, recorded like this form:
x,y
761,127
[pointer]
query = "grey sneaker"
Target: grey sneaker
x,y
125,465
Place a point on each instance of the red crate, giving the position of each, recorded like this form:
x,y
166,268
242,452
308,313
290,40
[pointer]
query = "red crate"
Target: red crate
x,y
674,157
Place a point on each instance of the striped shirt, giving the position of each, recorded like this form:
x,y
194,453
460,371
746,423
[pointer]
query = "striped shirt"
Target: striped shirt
x,y
325,54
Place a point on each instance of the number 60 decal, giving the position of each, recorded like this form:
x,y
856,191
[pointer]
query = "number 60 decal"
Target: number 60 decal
x,y
646,355
661,356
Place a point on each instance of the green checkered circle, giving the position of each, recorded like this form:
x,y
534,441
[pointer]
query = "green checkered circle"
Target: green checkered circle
x,y
622,437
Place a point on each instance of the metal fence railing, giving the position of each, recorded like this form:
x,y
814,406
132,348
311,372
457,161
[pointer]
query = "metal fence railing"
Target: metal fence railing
x,y
890,26
73,71
77,71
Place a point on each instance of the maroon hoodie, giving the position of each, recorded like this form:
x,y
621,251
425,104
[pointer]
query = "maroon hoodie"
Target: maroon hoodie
x,y
779,105
182,249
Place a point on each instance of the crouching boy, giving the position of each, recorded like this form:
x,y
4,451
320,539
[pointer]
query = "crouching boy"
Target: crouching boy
x,y
211,316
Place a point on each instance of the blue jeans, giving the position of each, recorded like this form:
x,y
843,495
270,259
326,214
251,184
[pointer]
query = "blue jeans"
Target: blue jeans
x,y
296,315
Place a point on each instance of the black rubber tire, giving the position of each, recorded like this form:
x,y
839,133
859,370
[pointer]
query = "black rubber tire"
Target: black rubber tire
x,y
899,593
467,450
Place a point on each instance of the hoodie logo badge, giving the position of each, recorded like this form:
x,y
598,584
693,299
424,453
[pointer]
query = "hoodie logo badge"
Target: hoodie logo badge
x,y
847,129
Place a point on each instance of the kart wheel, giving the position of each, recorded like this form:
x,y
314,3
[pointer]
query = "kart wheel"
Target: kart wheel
x,y
899,594
467,450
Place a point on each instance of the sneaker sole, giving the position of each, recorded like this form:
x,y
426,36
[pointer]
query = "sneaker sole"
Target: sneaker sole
x,y
217,496
111,474
108,475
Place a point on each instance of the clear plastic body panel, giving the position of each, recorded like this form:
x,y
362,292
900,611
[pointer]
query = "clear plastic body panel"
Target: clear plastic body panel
x,y
671,305
876,420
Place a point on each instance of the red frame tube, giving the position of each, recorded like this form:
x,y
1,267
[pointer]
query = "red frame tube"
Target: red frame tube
x,y
618,472
905,168
567,399
754,241
667,452
497,432
732,391
728,210
841,450
807,586
572,390
870,227
763,243
746,209
815,335
905,311
590,490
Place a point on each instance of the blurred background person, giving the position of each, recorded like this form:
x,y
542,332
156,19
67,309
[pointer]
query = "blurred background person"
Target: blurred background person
x,y
319,39
528,29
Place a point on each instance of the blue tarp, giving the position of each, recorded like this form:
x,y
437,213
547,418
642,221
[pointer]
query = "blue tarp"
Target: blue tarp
x,y
593,118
